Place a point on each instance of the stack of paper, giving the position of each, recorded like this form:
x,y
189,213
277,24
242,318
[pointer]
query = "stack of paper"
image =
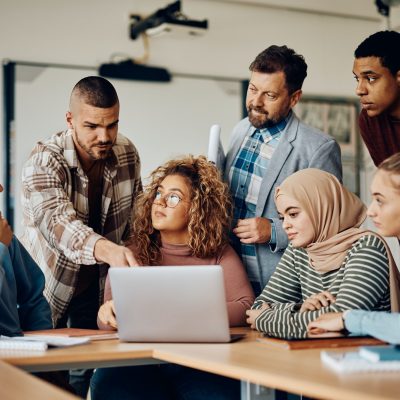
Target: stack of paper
x,y
65,337
10,343
39,342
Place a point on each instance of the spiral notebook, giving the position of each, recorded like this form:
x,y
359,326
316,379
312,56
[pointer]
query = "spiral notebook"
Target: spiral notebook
x,y
39,342
7,343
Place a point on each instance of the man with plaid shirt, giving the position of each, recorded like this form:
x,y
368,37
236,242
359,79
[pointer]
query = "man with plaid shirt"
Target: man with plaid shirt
x,y
266,147
79,190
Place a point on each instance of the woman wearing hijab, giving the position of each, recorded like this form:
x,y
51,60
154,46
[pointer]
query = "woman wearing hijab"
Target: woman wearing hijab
x,y
330,265
384,211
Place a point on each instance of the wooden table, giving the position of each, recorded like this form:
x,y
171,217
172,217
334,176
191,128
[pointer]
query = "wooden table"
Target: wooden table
x,y
102,353
297,371
16,385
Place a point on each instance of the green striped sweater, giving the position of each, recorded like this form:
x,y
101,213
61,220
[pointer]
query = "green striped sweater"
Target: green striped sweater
x,y
361,282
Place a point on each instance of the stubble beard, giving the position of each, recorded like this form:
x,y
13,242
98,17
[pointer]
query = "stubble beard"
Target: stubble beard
x,y
101,155
261,121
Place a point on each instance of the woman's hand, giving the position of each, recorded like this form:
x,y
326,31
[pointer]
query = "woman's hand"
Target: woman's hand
x,y
5,232
317,301
106,314
330,322
253,314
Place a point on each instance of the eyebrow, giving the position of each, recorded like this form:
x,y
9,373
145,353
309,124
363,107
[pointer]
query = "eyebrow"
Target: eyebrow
x,y
94,124
377,194
266,91
291,208
368,72
171,190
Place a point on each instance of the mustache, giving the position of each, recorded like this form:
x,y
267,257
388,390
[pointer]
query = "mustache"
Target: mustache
x,y
258,109
107,143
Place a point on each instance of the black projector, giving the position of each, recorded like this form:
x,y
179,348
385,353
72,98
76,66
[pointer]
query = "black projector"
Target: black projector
x,y
131,71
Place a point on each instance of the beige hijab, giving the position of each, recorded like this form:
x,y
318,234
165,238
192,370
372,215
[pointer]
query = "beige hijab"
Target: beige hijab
x,y
336,215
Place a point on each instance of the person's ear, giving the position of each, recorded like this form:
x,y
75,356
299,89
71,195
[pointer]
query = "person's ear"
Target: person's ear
x,y
295,97
69,118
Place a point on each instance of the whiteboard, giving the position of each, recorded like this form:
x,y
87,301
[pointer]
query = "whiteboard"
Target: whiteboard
x,y
163,120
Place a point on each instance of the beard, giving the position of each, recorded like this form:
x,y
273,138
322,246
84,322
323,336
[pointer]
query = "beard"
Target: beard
x,y
262,119
90,150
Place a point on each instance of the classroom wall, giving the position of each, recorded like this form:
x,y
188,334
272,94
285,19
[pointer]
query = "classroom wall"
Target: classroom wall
x,y
89,32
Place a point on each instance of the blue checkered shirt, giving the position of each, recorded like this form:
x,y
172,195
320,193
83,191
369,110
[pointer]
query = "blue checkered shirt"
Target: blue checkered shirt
x,y
245,177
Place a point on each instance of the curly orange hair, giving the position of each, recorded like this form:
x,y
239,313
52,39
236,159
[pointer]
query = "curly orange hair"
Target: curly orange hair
x,y
210,210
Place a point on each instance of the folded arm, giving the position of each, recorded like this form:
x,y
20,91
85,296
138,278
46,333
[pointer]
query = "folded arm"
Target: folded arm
x,y
364,286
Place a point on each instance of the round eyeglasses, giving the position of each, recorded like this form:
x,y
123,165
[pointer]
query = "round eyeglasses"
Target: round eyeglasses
x,y
171,200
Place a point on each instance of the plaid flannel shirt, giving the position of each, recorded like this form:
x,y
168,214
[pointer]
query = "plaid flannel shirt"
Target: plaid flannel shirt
x,y
56,210
245,177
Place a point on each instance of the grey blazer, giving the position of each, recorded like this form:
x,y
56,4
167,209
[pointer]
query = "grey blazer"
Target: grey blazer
x,y
300,147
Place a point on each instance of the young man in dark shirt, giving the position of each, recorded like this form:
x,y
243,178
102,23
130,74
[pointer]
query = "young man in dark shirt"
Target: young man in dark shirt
x,y
377,72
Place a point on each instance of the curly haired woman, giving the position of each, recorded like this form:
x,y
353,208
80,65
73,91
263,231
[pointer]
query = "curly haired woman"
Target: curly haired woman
x,y
182,218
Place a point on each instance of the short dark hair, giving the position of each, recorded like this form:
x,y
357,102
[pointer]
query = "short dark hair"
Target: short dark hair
x,y
384,45
96,91
282,58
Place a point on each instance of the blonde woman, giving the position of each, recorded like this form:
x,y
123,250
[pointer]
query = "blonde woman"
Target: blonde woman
x,y
384,211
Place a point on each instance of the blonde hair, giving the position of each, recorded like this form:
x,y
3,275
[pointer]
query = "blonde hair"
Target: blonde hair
x,y
392,166
210,210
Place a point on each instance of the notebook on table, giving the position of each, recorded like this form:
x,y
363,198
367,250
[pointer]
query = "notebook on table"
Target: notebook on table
x,y
91,334
170,304
353,361
319,341
381,353
38,342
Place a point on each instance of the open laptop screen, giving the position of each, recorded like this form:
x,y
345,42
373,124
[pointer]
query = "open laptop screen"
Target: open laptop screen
x,y
170,304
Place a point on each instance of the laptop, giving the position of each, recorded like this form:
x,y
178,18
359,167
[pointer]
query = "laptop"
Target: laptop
x,y
170,304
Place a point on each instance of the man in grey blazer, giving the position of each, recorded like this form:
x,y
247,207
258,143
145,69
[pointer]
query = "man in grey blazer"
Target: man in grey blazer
x,y
266,147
